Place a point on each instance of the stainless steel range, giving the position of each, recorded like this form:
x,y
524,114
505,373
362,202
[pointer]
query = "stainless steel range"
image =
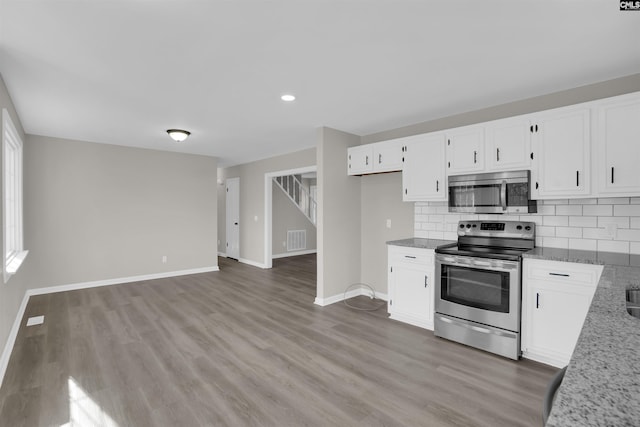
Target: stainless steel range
x,y
479,285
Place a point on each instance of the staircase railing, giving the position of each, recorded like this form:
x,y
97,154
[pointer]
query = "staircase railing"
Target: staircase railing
x,y
299,195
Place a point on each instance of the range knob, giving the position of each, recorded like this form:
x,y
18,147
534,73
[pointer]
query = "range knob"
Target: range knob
x,y
461,225
528,228
468,225
519,227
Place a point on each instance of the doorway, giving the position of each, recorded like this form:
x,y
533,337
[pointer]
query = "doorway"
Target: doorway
x,y
233,218
268,208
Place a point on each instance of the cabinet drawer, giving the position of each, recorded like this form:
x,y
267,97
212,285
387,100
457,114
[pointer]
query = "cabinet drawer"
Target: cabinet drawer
x,y
563,272
411,255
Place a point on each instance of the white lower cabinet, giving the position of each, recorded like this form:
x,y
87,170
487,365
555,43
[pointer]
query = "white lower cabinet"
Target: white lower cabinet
x,y
555,300
410,281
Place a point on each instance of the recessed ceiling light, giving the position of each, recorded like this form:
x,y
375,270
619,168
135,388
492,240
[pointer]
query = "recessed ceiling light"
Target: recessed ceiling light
x,y
288,98
178,135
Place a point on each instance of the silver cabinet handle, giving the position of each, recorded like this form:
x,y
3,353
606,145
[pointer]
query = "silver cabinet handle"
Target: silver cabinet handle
x,y
379,158
559,274
425,281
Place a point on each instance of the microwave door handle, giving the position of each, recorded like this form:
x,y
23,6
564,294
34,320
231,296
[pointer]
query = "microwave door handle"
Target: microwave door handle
x,y
503,195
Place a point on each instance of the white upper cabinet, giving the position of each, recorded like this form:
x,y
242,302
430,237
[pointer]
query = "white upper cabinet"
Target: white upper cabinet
x,y
465,150
423,175
618,146
561,153
360,159
385,156
508,144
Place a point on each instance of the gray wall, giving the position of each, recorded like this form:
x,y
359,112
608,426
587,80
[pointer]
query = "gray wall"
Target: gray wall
x,y
286,216
339,238
98,211
544,102
12,292
252,199
381,199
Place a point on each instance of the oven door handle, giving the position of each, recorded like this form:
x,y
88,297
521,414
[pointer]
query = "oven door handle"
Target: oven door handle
x,y
503,195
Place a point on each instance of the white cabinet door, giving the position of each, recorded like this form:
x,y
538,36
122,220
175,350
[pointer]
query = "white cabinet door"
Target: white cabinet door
x,y
561,156
465,150
411,286
555,302
508,144
618,146
360,159
556,315
387,156
423,175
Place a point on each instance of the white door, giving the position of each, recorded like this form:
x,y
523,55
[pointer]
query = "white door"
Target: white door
x,y
465,150
423,175
619,146
360,159
508,144
233,218
561,155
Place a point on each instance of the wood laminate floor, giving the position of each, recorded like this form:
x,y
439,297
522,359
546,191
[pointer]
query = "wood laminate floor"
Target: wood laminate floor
x,y
247,347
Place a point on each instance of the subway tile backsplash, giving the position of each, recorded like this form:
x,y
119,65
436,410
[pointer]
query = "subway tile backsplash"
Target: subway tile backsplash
x,y
607,224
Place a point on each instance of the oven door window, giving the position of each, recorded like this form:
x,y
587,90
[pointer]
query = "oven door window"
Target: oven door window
x,y
483,289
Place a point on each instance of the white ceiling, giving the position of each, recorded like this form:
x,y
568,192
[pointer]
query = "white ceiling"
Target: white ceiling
x,y
124,71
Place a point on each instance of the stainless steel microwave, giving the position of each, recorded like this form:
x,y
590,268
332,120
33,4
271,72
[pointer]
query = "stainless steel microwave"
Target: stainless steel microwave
x,y
499,192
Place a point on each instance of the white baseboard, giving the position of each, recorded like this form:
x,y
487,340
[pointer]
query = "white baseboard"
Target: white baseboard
x,y
222,254
556,361
13,334
295,253
11,340
118,281
253,263
356,291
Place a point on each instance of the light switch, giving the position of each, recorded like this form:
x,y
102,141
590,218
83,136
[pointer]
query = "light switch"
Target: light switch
x,y
388,223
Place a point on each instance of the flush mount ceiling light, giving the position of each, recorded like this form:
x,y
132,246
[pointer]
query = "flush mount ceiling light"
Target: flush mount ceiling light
x,y
288,98
178,135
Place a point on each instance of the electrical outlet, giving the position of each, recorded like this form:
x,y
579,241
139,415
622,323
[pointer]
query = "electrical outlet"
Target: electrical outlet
x,y
388,223
164,259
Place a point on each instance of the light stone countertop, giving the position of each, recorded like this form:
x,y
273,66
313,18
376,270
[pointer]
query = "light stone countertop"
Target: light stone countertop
x,y
416,242
602,384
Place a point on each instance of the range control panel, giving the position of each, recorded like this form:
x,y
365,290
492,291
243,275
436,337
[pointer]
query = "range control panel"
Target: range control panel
x,y
508,229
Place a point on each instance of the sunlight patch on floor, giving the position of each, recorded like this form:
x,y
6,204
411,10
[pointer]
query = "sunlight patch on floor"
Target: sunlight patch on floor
x,y
84,411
